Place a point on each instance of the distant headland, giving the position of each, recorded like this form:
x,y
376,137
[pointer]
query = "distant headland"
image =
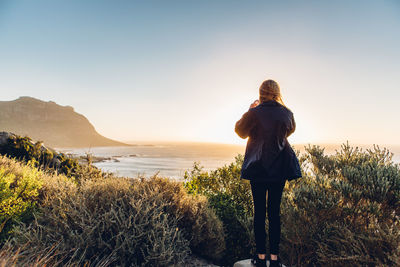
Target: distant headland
x,y
55,125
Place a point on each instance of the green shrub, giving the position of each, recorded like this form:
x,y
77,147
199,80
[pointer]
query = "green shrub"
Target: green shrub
x,y
19,185
231,199
239,239
23,148
225,179
345,211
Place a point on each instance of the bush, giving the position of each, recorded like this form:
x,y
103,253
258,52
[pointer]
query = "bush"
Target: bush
x,y
122,221
19,185
100,220
199,223
344,211
23,148
231,199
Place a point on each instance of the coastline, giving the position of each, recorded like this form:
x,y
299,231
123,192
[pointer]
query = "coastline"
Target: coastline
x,y
173,159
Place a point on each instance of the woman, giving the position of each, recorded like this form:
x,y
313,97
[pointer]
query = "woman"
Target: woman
x,y
269,161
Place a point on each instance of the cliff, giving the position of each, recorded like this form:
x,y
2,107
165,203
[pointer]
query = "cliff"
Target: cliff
x,y
55,125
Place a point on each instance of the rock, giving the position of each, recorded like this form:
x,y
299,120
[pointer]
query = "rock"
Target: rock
x,y
197,261
247,263
4,136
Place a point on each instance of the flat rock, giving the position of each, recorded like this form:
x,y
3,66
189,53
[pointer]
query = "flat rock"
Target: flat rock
x,y
247,263
197,261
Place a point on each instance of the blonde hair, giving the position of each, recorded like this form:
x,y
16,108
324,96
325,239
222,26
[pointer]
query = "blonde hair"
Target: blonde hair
x,y
269,90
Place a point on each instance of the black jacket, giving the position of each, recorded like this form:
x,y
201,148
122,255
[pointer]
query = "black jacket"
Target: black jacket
x,y
269,156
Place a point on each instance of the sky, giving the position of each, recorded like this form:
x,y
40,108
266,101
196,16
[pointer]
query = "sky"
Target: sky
x,y
187,70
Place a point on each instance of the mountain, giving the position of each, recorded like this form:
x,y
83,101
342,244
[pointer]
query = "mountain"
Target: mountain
x,y
55,125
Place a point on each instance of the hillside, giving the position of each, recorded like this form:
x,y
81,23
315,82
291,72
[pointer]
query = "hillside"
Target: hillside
x,y
55,125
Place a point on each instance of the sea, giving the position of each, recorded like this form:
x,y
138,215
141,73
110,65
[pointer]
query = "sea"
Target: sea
x,y
173,159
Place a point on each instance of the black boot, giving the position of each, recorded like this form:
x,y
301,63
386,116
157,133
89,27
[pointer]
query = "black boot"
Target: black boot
x,y
275,263
256,261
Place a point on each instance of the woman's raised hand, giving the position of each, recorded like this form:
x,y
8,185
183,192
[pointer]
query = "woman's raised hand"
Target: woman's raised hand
x,y
255,104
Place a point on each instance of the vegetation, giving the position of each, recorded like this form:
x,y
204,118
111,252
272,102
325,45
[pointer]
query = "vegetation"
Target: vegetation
x,y
231,199
23,148
19,185
107,221
344,211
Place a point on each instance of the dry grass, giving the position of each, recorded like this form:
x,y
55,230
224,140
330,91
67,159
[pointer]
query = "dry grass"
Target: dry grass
x,y
12,257
113,221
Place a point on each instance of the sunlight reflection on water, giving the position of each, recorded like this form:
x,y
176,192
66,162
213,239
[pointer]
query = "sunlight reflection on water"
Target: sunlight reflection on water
x,y
173,159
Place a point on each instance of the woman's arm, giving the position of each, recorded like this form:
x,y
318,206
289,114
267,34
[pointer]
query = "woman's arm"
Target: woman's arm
x,y
245,125
292,125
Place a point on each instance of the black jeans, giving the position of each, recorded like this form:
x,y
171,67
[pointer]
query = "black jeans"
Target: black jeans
x,y
259,191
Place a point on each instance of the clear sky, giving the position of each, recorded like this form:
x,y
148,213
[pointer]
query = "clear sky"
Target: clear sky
x,y
187,70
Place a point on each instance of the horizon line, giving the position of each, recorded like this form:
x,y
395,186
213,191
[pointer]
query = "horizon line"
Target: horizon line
x,y
132,142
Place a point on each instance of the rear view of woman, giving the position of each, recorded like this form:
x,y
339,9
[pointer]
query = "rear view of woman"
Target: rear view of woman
x,y
269,161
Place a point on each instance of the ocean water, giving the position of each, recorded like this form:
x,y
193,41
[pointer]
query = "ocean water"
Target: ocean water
x,y
173,159
166,159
